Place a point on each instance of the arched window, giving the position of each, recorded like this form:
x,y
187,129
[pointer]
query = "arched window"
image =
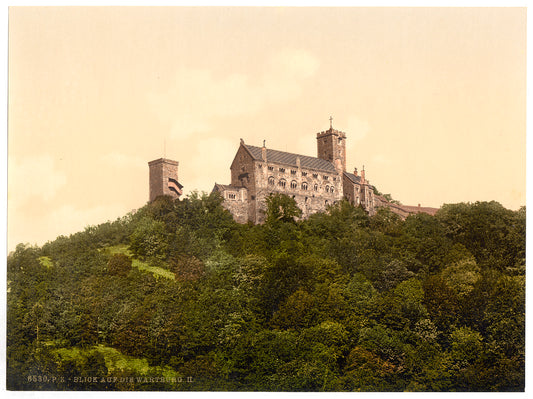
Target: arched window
x,y
270,181
316,187
282,183
331,189
327,189
304,186
294,184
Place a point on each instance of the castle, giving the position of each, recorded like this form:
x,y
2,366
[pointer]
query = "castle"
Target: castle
x,y
313,182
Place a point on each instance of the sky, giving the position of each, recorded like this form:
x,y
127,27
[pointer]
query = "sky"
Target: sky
x,y
432,100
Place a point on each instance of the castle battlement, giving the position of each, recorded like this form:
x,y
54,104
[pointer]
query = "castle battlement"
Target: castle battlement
x,y
332,131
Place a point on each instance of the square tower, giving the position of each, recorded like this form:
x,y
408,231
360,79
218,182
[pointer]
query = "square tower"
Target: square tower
x,y
331,146
164,178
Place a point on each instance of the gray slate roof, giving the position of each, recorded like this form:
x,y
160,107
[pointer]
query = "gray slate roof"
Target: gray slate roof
x,y
355,179
289,159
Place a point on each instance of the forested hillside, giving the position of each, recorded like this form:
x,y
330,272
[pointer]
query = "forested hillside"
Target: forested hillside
x,y
177,296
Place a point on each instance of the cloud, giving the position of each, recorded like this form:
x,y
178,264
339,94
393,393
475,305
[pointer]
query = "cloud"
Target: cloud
x,y
34,177
295,63
196,96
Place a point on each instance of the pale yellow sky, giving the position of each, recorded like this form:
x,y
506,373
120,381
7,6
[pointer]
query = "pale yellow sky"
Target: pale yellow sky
x,y
433,102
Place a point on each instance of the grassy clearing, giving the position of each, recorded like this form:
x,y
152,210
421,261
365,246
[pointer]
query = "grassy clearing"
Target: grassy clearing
x,y
114,361
143,266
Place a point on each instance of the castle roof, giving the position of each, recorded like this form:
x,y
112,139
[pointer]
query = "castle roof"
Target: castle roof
x,y
353,178
288,158
224,187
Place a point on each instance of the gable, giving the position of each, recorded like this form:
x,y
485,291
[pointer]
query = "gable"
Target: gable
x,y
242,151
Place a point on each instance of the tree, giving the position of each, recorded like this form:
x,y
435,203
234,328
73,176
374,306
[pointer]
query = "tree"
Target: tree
x,y
119,265
493,234
281,208
149,239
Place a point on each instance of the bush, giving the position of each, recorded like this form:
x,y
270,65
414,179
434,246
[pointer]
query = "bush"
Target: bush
x,y
119,265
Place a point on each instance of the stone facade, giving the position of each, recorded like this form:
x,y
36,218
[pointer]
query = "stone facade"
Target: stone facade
x,y
359,192
235,200
313,182
164,178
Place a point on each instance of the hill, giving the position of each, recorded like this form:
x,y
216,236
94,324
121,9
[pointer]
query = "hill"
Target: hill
x,y
180,297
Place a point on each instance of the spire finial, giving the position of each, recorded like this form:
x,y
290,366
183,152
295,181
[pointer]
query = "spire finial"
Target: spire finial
x,y
331,122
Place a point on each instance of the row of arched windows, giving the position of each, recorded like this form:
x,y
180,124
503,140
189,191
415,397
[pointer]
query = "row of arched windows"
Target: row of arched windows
x,y
294,185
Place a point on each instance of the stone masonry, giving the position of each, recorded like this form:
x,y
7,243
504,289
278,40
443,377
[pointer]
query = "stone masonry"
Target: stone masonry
x,y
314,182
164,178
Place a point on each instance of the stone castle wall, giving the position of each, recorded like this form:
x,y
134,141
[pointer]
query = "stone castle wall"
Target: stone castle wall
x,y
161,170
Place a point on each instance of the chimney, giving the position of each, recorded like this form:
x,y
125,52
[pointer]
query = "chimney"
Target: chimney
x,y
298,163
363,175
355,171
264,152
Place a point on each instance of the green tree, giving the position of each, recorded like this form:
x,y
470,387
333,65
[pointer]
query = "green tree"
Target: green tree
x,y
119,265
149,239
281,208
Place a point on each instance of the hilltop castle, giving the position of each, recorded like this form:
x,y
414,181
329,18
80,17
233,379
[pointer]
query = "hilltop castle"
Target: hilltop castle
x,y
313,182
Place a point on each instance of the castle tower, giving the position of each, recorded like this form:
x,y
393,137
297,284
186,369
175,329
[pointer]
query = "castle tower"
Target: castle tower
x,y
332,147
164,178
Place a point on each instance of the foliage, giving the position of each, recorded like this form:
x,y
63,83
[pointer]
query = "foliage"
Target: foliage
x,y
281,208
177,296
119,265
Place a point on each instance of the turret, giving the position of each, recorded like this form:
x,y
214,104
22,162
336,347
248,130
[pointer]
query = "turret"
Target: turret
x,y
164,178
331,146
